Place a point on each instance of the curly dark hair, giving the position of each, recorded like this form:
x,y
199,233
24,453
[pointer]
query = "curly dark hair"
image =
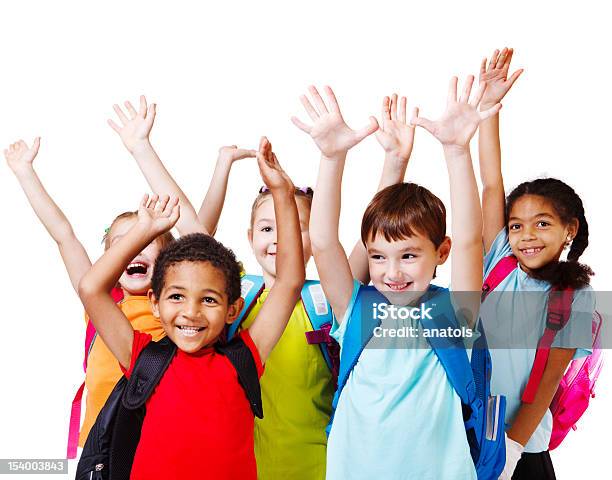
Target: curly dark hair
x,y
198,247
568,206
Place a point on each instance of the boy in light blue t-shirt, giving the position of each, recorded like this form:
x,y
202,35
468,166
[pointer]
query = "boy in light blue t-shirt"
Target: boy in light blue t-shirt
x,y
398,416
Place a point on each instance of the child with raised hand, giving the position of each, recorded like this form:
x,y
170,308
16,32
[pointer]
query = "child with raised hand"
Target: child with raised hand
x,y
529,230
198,418
397,415
102,371
134,132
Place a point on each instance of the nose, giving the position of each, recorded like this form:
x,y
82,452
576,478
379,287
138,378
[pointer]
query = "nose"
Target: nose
x,y
528,233
191,310
394,273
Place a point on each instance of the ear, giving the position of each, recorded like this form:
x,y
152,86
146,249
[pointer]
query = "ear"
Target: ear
x,y
444,250
234,310
154,303
250,237
572,228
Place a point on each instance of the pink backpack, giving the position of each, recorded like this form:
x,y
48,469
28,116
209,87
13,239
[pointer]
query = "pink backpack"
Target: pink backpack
x,y
578,384
75,410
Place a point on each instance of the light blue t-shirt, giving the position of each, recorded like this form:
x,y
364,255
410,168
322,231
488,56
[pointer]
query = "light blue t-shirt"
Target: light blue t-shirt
x,y
514,317
398,416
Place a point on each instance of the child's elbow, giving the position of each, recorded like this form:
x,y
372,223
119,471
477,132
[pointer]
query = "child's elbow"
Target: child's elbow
x,y
87,288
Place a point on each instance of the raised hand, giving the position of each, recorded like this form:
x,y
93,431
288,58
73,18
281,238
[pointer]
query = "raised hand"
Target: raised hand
x,y
232,153
19,155
459,122
271,172
329,130
395,135
135,125
158,216
495,75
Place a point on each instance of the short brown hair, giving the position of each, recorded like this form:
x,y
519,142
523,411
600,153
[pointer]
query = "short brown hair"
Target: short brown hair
x,y
401,210
164,239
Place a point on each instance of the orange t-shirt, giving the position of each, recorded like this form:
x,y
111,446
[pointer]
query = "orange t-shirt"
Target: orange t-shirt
x,y
103,370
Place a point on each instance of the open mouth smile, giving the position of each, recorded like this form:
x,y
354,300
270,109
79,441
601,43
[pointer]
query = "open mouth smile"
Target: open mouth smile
x,y
398,287
137,269
189,331
531,252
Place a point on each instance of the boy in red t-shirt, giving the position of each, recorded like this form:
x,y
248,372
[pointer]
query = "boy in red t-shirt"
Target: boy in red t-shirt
x,y
199,423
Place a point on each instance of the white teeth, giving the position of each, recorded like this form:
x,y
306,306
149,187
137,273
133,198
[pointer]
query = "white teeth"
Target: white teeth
x,y
189,331
397,287
531,251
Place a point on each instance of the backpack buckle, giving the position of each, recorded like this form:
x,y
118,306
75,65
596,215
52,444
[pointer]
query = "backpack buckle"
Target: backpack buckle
x,y
321,335
555,321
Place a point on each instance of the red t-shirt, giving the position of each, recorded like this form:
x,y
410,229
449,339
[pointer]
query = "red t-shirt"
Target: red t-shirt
x,y
199,423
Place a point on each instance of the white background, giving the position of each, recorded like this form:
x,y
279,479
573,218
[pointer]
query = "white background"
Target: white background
x,y
230,73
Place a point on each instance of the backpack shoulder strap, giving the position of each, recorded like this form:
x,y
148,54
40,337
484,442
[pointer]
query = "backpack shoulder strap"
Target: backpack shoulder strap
x,y
150,366
251,287
499,272
241,358
320,316
452,355
557,315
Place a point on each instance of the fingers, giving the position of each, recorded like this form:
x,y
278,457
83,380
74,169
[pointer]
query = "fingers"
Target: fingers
x,y
120,114
163,202
114,126
301,125
385,113
402,110
36,145
150,114
493,60
415,114
490,112
452,90
145,200
130,108
331,97
479,93
312,113
152,201
467,89
507,60
483,67
514,77
318,101
424,123
502,58
394,106
367,130
143,106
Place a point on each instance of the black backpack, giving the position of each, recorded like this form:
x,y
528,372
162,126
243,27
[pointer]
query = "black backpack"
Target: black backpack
x,y
109,451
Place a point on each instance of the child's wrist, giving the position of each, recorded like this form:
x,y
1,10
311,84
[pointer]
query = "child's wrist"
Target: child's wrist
x,y
140,146
22,170
395,157
335,157
455,150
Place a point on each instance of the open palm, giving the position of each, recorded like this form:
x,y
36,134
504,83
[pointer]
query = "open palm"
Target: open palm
x,y
329,130
395,135
457,125
158,215
495,75
135,125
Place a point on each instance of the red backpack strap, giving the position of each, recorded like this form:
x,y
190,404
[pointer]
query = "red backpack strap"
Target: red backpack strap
x,y
500,271
559,312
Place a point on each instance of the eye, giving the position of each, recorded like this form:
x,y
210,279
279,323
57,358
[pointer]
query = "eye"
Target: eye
x,y
266,229
175,297
408,256
210,300
542,224
377,256
514,226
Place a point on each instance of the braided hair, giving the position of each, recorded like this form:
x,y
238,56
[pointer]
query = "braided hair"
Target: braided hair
x,y
568,205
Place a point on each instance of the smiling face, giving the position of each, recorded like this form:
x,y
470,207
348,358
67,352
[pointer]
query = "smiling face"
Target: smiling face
x,y
262,235
536,233
136,279
193,304
402,266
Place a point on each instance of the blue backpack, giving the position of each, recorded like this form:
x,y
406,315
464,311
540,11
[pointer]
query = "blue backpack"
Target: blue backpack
x,y
483,414
317,309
